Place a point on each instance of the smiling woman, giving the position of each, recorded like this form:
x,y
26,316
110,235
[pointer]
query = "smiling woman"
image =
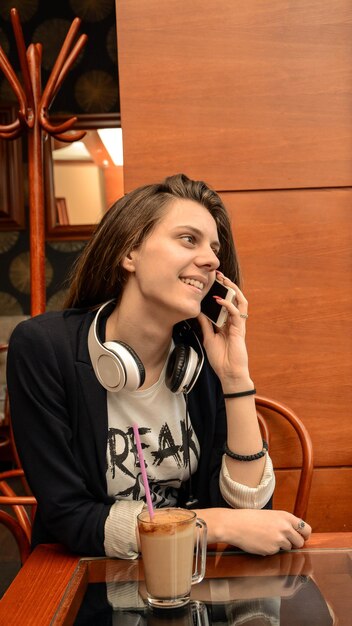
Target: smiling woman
x,y
132,347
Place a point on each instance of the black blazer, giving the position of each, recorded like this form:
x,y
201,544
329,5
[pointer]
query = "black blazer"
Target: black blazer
x,y
59,414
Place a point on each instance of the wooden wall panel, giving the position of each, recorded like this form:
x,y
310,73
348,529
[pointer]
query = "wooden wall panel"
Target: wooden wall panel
x,y
295,249
330,504
246,95
327,511
256,100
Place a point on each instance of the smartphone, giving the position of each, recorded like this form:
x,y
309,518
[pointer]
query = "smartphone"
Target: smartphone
x,y
209,306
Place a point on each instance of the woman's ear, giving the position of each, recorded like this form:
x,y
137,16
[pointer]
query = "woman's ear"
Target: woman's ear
x,y
128,262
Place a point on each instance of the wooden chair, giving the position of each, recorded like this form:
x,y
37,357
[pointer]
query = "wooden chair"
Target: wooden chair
x,y
23,509
266,407
19,523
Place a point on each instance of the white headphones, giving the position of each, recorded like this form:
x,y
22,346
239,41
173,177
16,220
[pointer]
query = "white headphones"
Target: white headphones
x,y
117,366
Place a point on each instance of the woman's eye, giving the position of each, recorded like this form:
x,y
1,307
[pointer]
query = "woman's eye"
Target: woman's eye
x,y
188,238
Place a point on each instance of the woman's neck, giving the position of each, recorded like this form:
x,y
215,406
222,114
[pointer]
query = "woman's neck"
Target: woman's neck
x,y
150,340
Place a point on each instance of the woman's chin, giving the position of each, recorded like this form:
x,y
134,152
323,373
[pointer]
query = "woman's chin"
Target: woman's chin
x,y
189,314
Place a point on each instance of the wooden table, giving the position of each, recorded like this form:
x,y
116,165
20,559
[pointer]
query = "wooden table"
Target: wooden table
x,y
50,586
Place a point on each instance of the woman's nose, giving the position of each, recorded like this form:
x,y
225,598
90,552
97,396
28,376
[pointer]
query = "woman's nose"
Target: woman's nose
x,y
208,258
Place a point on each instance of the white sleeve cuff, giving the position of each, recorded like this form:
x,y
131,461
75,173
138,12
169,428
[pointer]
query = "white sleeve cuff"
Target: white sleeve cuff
x,y
120,529
240,496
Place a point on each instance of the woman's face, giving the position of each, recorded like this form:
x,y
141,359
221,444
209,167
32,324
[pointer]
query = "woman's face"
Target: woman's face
x,y
174,267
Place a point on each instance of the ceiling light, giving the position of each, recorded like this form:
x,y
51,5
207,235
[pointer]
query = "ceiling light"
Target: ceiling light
x,y
112,139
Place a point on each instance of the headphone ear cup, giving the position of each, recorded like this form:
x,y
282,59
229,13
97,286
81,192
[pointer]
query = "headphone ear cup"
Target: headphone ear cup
x,y
183,364
124,361
175,369
116,365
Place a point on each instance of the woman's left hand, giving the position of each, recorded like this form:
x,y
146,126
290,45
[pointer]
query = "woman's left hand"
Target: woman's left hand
x,y
226,347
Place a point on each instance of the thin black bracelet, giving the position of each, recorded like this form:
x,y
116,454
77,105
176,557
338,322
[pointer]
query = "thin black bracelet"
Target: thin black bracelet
x,y
248,457
240,394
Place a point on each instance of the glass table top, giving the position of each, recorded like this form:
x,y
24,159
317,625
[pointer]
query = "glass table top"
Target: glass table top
x,y
301,588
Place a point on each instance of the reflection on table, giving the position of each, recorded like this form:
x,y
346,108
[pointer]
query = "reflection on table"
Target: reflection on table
x,y
225,598
290,588
303,588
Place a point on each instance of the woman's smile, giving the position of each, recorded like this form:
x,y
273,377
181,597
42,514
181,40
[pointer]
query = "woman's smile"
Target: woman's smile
x,y
195,282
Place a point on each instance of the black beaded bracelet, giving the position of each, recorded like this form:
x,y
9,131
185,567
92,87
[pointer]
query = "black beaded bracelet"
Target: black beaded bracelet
x,y
240,394
246,457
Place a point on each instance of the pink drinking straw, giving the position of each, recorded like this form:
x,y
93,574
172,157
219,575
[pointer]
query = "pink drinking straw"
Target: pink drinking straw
x,y
144,473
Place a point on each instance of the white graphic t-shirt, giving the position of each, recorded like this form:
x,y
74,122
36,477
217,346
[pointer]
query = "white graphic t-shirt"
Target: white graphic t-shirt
x,y
165,444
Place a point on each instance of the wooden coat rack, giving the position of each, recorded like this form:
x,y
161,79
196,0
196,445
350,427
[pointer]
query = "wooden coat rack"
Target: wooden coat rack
x,y
33,118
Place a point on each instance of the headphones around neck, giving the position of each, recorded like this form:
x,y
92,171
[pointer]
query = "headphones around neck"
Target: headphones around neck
x,y
117,366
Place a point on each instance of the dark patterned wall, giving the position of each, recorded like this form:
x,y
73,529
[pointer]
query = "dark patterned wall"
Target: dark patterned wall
x,y
90,87
92,84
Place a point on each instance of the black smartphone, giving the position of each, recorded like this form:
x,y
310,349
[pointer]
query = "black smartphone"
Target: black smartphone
x,y
209,306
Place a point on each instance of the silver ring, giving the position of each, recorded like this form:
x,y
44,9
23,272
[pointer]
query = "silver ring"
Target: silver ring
x,y
300,526
244,315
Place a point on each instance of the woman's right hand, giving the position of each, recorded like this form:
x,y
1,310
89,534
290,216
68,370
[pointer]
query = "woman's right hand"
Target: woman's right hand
x,y
262,531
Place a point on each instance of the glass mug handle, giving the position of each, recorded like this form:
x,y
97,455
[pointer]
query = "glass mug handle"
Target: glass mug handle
x,y
200,551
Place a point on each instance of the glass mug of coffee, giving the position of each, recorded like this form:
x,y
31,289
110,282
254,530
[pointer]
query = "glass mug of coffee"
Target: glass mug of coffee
x,y
168,543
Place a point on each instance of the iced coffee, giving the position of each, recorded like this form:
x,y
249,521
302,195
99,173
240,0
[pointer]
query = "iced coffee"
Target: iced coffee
x,y
168,543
